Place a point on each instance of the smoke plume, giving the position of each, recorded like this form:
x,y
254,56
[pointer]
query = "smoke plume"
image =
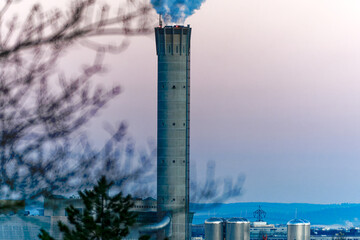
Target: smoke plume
x,y
176,11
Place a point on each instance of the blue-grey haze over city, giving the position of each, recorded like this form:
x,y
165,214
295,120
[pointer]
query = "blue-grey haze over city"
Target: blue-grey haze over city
x,y
274,96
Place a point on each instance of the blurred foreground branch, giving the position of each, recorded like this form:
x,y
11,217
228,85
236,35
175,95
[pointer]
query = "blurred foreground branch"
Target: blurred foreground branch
x,y
214,191
60,28
43,112
43,149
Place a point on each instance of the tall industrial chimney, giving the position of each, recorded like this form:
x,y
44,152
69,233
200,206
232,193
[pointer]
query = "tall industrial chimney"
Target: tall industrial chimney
x,y
173,125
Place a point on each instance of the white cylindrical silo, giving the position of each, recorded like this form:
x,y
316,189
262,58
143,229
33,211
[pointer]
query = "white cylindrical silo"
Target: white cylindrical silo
x,y
214,229
237,229
298,229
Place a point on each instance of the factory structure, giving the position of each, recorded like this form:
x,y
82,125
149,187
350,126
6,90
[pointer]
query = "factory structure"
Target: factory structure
x,y
22,226
216,228
168,216
242,229
173,129
173,219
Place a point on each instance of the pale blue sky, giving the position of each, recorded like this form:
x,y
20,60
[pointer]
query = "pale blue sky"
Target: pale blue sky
x,y
275,95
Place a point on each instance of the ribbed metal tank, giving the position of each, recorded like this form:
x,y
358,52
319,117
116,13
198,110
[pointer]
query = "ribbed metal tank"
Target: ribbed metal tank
x,y
173,128
214,229
298,229
237,229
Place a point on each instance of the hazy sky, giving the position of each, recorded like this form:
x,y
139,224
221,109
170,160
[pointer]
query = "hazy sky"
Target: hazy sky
x,y
275,95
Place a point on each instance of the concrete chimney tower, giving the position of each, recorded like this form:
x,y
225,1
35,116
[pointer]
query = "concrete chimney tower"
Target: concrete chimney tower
x,y
173,125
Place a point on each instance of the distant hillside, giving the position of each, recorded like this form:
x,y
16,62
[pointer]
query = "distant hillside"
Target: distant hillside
x,y
318,214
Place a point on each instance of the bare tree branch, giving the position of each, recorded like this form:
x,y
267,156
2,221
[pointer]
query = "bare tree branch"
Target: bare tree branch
x,y
43,113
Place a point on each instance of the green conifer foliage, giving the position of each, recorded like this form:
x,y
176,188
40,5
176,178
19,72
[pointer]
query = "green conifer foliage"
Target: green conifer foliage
x,y
44,235
104,217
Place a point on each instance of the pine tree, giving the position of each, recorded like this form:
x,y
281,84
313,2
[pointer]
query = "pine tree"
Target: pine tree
x,y
104,217
45,235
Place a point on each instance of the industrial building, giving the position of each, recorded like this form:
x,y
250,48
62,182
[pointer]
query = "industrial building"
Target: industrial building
x,y
173,130
342,233
272,232
168,216
214,228
230,229
20,225
242,229
295,229
298,229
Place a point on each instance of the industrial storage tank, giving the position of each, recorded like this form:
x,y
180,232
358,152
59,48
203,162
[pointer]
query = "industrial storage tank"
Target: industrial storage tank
x,y
214,229
298,229
237,229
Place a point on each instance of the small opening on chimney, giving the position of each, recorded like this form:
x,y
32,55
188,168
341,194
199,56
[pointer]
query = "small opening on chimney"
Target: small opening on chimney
x,y
173,87
173,161
183,86
173,124
173,199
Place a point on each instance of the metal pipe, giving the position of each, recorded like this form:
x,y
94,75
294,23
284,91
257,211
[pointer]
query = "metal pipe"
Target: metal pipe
x,y
156,226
